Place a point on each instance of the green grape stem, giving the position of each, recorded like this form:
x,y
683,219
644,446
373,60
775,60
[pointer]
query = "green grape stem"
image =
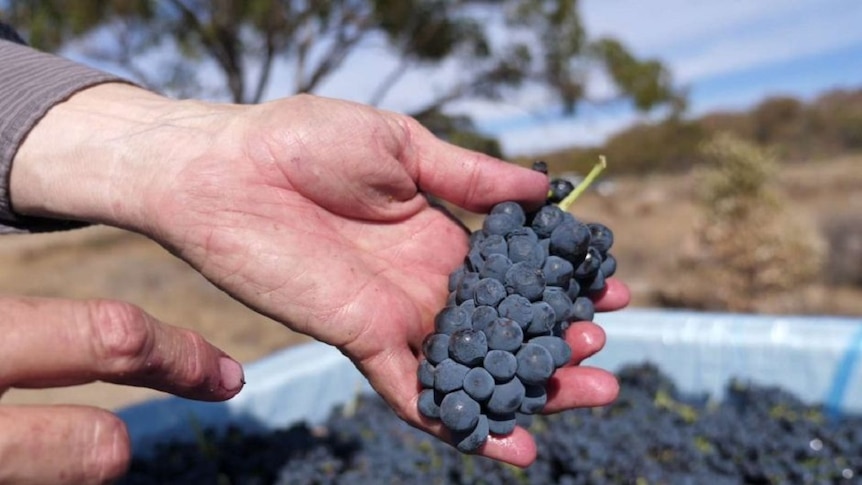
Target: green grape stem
x,y
585,183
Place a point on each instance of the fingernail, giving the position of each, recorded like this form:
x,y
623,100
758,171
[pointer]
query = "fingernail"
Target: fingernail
x,y
232,376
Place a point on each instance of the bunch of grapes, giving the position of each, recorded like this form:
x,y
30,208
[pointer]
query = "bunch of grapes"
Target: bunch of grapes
x,y
526,277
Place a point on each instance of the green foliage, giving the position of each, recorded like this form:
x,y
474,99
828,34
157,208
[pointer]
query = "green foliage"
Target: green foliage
x,y
544,44
648,82
791,129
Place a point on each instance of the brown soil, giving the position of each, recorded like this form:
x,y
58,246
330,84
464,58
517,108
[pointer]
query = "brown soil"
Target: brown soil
x,y
651,215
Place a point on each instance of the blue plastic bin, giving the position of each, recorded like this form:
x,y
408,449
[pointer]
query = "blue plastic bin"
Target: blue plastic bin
x,y
817,358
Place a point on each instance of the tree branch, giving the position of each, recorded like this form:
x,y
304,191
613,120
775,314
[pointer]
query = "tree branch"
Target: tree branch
x,y
220,45
389,81
337,52
266,68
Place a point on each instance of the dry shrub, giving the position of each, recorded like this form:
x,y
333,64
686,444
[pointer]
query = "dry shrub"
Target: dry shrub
x,y
746,253
844,233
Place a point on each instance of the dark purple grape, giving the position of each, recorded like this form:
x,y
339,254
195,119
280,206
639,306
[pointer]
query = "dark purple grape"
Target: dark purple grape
x,y
467,287
468,306
609,265
506,397
501,364
535,364
570,241
517,308
596,286
476,238
546,246
588,268
560,188
557,271
523,232
501,424
472,441
435,347
543,320
573,290
546,220
479,384
459,412
535,398
495,244
504,334
427,405
559,301
512,209
525,280
489,291
495,267
468,346
560,351
583,310
483,316
449,376
522,249
450,319
602,238
540,166
474,261
426,374
455,277
500,224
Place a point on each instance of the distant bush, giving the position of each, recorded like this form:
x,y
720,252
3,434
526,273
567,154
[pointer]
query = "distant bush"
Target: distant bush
x,y
746,244
794,130
844,235
666,147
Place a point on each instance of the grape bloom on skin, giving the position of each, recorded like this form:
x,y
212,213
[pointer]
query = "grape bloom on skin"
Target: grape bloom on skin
x,y
525,278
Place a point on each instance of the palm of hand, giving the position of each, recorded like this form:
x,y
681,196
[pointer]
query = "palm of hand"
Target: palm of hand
x,y
345,248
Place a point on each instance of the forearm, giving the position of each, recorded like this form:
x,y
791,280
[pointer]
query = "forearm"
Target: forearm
x,y
100,155
31,82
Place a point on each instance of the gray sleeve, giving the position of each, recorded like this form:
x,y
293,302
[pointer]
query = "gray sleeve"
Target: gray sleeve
x,y
31,83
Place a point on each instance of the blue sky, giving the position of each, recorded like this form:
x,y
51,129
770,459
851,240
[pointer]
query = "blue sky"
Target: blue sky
x,y
730,54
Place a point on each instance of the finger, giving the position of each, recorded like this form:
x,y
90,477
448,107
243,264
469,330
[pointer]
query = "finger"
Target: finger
x,y
585,339
62,445
579,386
615,297
51,342
469,179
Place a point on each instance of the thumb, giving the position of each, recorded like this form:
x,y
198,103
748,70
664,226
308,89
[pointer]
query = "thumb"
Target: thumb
x,y
469,179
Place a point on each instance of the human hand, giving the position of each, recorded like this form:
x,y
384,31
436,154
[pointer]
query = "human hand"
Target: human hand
x,y
53,343
312,211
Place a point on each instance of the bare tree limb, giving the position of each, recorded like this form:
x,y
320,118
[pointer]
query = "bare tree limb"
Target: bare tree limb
x,y
337,52
266,67
389,81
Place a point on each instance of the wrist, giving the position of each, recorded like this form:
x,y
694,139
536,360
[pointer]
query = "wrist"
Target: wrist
x,y
100,155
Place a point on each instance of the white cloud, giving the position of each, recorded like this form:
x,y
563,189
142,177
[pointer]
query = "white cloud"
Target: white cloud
x,y
661,25
699,39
